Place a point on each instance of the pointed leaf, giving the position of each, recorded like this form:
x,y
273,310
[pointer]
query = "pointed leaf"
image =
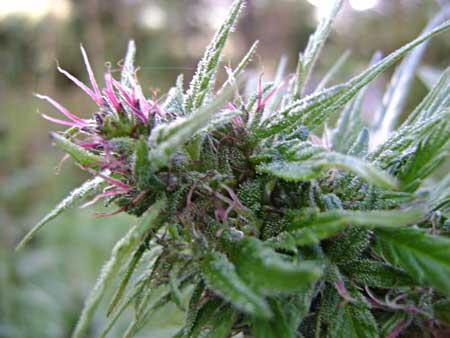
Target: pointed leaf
x,y
85,190
222,278
395,96
277,327
268,271
354,321
119,254
423,256
376,274
312,111
306,170
308,58
204,78
311,228
78,153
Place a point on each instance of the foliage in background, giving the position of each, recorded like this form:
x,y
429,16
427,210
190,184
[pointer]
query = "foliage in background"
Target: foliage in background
x,y
279,232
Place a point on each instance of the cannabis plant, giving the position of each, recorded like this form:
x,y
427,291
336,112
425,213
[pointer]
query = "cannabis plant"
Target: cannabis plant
x,y
256,217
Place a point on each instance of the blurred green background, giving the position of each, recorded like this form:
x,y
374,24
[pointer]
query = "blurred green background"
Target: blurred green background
x,y
42,288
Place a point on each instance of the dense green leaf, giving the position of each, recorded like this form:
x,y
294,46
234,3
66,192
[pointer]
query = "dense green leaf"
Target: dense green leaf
x,y
353,321
439,198
436,100
306,170
425,158
312,227
405,137
441,310
376,274
222,278
269,271
393,323
193,308
126,278
423,256
119,255
276,327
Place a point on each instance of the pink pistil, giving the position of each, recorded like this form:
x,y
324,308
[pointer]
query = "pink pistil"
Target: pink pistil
x,y
91,74
63,110
109,92
103,195
115,182
96,98
62,122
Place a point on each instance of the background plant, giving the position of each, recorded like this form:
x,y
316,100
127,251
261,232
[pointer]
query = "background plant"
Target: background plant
x,y
228,219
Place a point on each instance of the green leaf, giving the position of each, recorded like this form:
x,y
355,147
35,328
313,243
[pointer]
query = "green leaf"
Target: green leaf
x,y
441,310
312,111
425,257
118,294
119,255
221,276
434,102
312,168
373,218
131,296
107,274
193,309
363,169
440,194
308,58
296,307
350,120
276,327
269,271
312,227
78,153
401,140
353,321
376,274
143,168
291,171
361,145
425,158
221,324
397,91
350,246
396,320
177,297
203,81
141,319
214,320
175,98
86,189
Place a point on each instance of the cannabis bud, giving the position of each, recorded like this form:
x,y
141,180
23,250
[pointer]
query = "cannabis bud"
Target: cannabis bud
x,y
280,231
